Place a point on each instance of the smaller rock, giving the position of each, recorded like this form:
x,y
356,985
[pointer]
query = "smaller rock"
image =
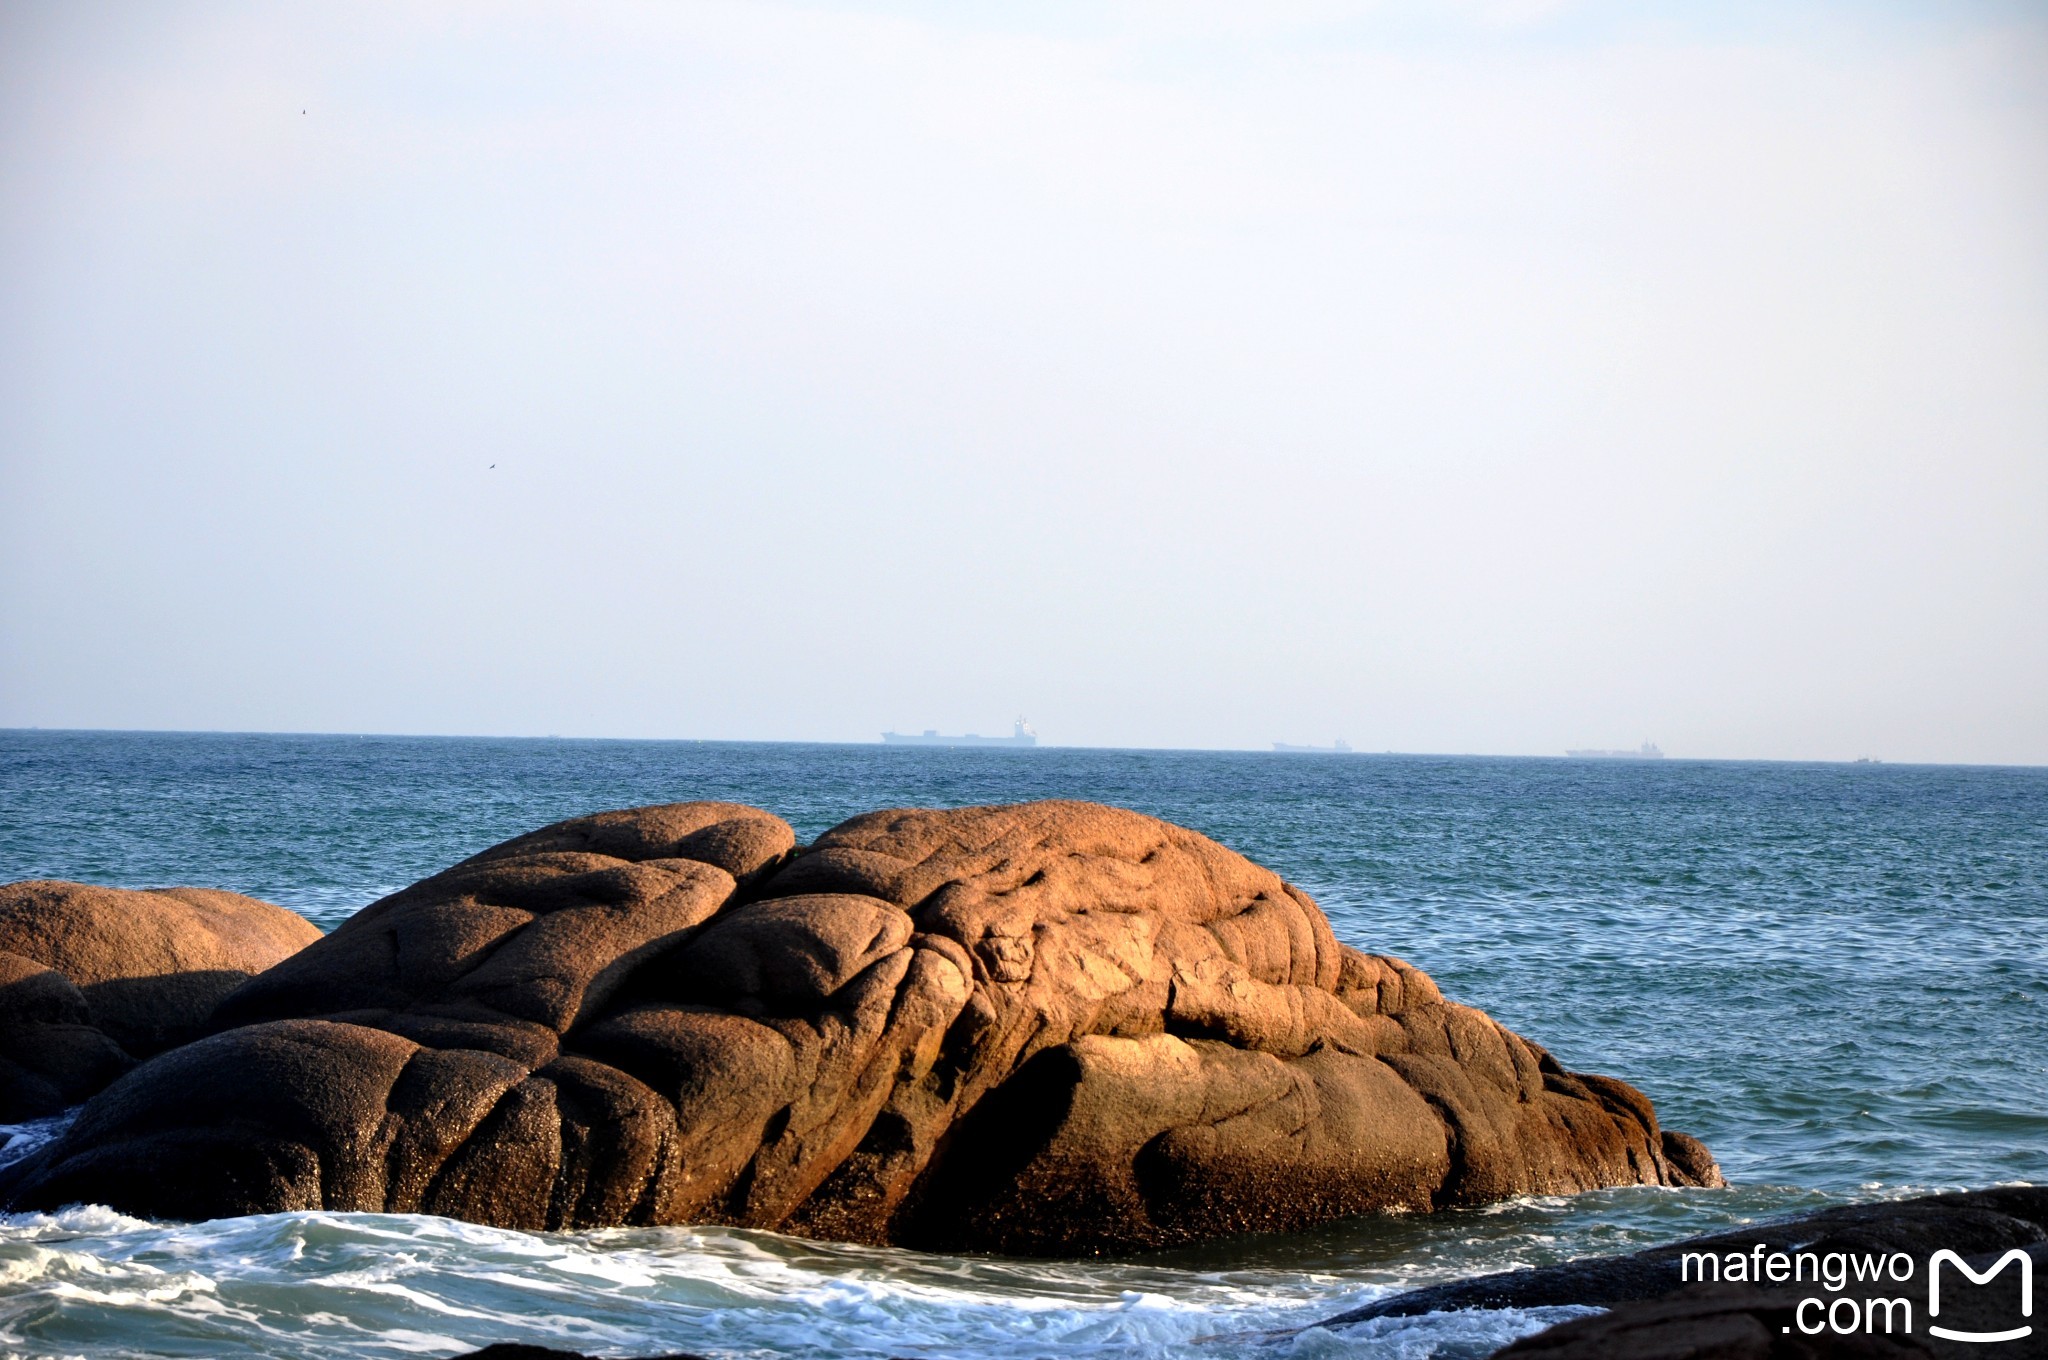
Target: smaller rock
x,y
92,979
1689,1158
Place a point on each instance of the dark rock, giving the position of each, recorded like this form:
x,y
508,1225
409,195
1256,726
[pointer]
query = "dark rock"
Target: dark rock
x,y
513,1350
1970,1222
1049,1028
1743,1322
1657,1315
93,978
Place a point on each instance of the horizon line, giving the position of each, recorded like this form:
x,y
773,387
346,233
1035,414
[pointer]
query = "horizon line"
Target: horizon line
x,y
1042,745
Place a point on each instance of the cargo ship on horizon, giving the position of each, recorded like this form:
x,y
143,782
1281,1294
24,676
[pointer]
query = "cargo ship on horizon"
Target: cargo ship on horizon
x,y
1647,751
1020,735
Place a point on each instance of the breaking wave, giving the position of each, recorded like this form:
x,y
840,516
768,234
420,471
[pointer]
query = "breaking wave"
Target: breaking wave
x,y
91,1282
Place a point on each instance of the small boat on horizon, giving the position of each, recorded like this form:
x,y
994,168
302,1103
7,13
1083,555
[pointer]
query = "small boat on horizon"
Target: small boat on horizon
x,y
1339,747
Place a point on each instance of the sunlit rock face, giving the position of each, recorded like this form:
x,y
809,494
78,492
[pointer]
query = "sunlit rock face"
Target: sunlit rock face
x,y
1050,1028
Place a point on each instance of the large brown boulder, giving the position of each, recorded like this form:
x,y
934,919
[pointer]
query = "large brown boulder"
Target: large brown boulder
x,y
1048,1028
93,978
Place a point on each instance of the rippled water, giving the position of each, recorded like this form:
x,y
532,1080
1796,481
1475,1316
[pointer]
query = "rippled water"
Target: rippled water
x,y
1834,974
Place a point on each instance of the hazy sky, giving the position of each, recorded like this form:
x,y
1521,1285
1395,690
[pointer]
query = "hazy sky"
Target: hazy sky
x,y
1451,377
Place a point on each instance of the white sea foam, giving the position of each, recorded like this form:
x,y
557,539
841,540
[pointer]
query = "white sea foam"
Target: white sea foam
x,y
90,1282
94,1284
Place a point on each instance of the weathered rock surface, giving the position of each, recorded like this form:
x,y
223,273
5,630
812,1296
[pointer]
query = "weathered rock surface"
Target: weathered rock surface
x,y
1049,1028
1657,1315
92,979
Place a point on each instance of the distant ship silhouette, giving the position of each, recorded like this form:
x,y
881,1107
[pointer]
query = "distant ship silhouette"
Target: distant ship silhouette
x,y
1647,751
1335,748
1020,735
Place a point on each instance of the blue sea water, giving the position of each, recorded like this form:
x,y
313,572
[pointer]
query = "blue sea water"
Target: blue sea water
x,y
1836,975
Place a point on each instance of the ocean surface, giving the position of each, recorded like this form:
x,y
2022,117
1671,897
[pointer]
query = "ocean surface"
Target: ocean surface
x,y
1837,975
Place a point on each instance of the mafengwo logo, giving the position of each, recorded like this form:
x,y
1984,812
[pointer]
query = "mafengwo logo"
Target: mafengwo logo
x,y
1860,1283
2013,1257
